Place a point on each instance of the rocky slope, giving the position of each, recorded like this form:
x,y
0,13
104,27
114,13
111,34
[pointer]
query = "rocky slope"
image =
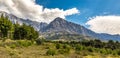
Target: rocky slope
x,y
60,26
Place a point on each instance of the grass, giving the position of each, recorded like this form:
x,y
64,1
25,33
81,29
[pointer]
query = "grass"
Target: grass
x,y
9,49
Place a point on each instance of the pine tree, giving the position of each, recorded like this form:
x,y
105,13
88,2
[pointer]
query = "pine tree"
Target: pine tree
x,y
5,26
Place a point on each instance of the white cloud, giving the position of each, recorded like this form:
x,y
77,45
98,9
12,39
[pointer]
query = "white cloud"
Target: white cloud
x,y
105,24
28,9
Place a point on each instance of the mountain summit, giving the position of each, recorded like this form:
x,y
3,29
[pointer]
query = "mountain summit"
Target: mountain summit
x,y
61,26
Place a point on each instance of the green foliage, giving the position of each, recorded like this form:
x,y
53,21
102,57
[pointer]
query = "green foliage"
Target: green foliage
x,y
103,51
64,51
39,41
65,46
78,48
58,46
5,26
25,32
13,46
61,51
51,52
90,49
118,52
23,43
16,31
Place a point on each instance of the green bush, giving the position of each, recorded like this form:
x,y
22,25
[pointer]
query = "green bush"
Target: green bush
x,y
11,53
78,48
13,46
51,52
39,41
64,51
118,52
61,51
103,51
58,46
115,52
109,51
65,46
25,43
90,49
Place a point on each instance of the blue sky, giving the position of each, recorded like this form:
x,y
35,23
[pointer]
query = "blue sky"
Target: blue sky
x,y
87,8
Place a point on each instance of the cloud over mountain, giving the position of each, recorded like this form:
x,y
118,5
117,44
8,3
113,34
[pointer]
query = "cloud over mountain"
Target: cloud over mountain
x,y
105,24
28,9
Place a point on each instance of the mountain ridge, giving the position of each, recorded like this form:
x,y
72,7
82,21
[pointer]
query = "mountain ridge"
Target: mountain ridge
x,y
61,26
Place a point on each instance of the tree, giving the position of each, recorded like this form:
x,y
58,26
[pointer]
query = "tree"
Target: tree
x,y
111,42
5,26
25,32
9,30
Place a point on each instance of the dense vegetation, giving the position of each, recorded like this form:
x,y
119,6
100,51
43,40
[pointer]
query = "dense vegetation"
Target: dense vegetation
x,y
16,31
96,46
45,49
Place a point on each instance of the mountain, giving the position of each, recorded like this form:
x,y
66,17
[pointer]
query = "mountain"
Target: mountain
x,y
61,28
60,25
15,19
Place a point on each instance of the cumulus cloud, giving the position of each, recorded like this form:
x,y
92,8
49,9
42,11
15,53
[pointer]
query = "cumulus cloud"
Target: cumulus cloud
x,y
105,24
28,9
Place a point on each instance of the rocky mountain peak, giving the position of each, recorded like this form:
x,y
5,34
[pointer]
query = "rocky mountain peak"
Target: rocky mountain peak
x,y
58,20
60,26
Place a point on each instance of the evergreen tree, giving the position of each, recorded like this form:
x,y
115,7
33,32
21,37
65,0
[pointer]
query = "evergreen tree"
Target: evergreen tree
x,y
25,32
5,26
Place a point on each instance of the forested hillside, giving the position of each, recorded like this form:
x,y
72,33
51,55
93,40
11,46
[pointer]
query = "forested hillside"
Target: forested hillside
x,y
8,30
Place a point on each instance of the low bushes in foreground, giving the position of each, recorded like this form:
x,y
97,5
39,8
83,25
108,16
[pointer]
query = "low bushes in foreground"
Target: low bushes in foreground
x,y
51,52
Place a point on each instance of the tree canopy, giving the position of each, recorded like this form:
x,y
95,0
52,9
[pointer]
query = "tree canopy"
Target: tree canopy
x,y
16,31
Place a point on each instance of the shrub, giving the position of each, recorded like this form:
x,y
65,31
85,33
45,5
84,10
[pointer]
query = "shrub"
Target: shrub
x,y
65,46
58,46
78,48
11,53
90,49
114,52
103,51
39,41
109,51
24,43
61,51
13,46
51,52
118,52
64,51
